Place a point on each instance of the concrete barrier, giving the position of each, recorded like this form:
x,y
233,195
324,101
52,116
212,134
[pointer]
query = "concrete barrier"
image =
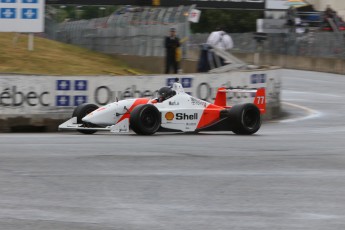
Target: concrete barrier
x,y
41,103
329,65
155,64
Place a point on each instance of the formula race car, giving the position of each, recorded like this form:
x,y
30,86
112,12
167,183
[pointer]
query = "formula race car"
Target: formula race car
x,y
173,110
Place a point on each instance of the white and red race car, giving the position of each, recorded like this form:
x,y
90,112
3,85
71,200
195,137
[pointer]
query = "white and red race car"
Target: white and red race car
x,y
174,110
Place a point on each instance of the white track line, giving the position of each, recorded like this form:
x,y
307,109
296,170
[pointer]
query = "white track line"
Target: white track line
x,y
310,113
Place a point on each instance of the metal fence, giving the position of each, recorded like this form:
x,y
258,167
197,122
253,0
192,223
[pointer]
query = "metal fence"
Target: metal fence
x,y
141,30
136,31
317,44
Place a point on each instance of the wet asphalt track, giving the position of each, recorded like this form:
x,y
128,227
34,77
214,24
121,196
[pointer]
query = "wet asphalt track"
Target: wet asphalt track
x,y
290,175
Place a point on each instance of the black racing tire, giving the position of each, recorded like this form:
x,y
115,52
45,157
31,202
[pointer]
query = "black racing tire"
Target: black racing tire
x,y
245,119
80,112
145,119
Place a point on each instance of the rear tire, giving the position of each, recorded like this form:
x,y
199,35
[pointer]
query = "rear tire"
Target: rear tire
x,y
245,119
80,112
145,119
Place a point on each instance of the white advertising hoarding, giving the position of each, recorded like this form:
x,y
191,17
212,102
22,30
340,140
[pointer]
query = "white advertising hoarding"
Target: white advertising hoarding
x,y
277,4
54,96
22,16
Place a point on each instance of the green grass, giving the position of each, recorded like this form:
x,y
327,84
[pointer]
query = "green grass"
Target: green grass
x,y
55,58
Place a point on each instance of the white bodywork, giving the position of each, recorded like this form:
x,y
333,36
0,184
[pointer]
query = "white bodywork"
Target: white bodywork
x,y
180,112
188,107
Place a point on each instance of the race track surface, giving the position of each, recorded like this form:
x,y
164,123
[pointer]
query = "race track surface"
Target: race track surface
x,y
289,176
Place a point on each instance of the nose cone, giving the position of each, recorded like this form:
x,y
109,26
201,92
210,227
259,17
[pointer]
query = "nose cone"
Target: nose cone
x,y
103,116
88,118
95,117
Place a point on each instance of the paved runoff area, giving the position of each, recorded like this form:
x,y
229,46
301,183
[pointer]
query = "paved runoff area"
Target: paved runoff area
x,y
290,175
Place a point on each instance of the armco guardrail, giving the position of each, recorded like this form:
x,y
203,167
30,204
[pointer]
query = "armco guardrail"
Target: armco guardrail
x,y
46,101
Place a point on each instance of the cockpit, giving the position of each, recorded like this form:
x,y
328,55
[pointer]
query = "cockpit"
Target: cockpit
x,y
165,93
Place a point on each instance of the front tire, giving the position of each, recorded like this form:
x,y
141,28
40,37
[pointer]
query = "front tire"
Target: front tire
x,y
245,119
145,119
80,112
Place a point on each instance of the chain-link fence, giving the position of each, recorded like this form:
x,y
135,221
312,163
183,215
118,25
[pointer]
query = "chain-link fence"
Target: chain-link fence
x,y
317,44
135,31
141,30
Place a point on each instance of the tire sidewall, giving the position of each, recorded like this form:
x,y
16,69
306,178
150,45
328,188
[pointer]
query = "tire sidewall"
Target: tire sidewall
x,y
136,119
80,112
237,118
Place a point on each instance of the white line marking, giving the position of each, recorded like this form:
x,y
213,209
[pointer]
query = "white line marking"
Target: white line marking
x,y
310,113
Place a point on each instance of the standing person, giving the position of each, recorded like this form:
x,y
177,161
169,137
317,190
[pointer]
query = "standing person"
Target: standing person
x,y
220,39
329,12
172,42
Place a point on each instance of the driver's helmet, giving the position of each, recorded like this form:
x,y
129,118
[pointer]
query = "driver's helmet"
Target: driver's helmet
x,y
165,93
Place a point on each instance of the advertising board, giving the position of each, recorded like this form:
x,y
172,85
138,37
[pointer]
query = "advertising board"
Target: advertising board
x,y
57,96
22,16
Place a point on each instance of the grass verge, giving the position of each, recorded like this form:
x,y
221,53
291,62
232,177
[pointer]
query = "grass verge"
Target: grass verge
x,y
55,58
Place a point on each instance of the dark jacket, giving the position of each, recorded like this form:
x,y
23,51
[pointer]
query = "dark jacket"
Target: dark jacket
x,y
171,45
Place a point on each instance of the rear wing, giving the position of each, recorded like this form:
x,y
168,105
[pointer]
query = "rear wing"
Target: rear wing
x,y
259,100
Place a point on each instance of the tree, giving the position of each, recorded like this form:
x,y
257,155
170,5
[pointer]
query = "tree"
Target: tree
x,y
83,12
232,21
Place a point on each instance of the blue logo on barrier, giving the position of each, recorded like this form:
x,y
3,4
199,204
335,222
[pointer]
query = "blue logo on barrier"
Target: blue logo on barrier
x,y
63,85
78,100
170,81
258,78
186,82
29,13
66,85
30,1
8,13
63,100
8,1
80,85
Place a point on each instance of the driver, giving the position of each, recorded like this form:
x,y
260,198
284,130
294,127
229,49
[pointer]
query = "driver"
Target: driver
x,y
165,93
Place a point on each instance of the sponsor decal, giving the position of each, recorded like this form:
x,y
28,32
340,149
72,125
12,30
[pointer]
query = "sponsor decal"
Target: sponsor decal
x,y
78,100
30,1
80,85
63,85
184,116
195,101
29,13
169,116
67,85
170,81
8,1
103,94
8,13
206,92
190,124
186,82
63,100
11,96
174,103
258,78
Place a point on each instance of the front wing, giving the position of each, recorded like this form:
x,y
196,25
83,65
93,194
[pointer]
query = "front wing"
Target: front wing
x,y
71,124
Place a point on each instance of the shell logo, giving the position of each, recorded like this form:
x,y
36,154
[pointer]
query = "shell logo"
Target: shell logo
x,y
169,116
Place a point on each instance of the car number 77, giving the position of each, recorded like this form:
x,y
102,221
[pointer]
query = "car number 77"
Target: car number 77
x,y
261,100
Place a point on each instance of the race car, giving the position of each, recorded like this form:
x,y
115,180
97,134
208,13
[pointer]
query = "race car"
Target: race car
x,y
173,110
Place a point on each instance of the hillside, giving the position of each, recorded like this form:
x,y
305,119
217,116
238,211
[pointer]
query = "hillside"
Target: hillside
x,y
55,58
